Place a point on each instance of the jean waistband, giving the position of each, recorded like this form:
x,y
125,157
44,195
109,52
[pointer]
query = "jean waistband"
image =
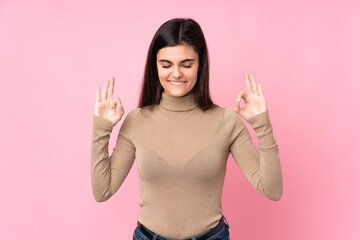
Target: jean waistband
x,y
149,234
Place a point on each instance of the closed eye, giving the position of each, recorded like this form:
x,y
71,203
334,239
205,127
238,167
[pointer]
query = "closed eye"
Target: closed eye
x,y
189,66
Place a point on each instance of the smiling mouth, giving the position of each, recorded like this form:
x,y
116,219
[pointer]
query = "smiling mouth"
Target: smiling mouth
x,y
177,83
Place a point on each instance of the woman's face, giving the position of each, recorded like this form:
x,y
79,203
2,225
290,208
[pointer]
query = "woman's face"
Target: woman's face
x,y
177,68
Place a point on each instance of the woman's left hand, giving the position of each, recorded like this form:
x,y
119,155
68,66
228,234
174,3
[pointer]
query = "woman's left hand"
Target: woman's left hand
x,y
254,100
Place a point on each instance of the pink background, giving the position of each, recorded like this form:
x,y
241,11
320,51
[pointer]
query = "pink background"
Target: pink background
x,y
54,55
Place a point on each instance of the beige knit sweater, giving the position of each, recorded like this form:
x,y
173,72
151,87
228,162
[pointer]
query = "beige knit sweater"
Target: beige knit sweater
x,y
181,154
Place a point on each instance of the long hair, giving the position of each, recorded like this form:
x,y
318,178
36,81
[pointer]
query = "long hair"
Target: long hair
x,y
175,32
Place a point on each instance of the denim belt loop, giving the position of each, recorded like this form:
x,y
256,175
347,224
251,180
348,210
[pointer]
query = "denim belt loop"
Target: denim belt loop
x,y
226,221
155,236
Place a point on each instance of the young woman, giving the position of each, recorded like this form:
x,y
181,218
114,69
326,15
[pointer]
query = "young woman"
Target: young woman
x,y
181,141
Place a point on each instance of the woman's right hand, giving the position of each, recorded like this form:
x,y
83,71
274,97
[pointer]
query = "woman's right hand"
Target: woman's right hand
x,y
106,107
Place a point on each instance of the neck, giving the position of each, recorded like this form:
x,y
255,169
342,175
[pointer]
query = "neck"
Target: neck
x,y
177,104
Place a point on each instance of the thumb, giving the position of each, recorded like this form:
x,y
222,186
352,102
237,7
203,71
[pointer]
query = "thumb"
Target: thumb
x,y
118,102
238,109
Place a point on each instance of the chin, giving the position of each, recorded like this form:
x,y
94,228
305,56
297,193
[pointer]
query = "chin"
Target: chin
x,y
177,93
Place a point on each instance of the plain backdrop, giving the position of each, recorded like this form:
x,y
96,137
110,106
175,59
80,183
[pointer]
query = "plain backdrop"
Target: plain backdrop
x,y
53,55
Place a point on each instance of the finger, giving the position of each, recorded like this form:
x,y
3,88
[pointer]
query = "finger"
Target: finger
x,y
238,109
111,87
247,82
98,94
118,103
242,95
260,90
253,84
105,90
112,104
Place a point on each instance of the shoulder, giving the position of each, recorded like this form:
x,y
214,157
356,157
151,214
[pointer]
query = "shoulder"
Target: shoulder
x,y
131,116
228,114
232,120
141,113
231,115
133,113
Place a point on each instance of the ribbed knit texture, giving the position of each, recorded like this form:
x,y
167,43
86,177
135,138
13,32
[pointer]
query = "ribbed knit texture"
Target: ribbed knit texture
x,y
181,154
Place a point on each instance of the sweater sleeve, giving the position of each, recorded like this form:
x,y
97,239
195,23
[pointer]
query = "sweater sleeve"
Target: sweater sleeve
x,y
262,168
108,173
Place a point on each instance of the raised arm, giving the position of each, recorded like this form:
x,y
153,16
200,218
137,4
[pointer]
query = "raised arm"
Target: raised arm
x,y
108,173
262,168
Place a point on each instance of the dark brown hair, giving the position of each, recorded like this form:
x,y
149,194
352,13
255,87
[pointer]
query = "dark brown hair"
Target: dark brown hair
x,y
174,32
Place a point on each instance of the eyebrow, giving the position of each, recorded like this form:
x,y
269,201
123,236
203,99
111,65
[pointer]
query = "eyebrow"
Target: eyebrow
x,y
185,60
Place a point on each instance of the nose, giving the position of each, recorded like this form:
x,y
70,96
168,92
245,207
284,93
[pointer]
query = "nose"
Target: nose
x,y
177,73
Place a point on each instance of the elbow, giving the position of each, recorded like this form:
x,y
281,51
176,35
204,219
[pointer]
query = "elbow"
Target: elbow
x,y
100,199
275,196
273,193
101,192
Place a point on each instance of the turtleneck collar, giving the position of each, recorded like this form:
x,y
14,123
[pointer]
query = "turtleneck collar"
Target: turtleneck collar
x,y
177,104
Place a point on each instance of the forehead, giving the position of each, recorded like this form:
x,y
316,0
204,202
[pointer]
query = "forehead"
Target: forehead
x,y
177,53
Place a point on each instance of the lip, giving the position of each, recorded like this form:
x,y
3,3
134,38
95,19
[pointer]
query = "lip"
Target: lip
x,y
175,81
173,84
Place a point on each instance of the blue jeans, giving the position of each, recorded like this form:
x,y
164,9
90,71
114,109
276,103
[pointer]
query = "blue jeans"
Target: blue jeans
x,y
222,234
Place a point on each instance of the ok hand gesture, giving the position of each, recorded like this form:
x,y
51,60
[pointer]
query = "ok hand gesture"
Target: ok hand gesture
x,y
106,107
254,100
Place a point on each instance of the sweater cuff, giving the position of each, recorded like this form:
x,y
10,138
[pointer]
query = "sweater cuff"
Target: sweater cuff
x,y
259,119
102,123
263,131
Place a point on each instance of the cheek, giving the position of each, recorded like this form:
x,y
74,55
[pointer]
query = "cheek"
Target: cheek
x,y
193,75
161,74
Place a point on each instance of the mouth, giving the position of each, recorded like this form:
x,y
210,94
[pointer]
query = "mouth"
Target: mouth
x,y
177,83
